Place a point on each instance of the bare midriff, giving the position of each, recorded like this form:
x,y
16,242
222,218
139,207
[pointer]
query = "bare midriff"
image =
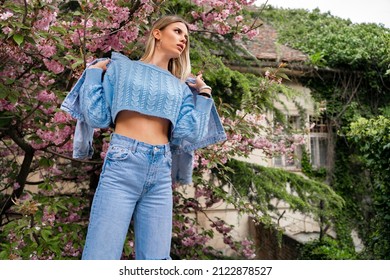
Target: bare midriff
x,y
144,128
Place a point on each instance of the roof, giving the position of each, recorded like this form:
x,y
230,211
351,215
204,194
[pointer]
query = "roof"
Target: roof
x,y
265,47
270,54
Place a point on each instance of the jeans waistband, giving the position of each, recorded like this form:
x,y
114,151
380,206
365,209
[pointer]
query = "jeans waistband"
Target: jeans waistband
x,y
139,146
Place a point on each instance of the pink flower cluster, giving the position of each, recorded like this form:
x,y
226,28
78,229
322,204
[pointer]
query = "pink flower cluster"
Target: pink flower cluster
x,y
53,65
5,105
48,217
46,49
188,234
54,135
114,32
217,15
6,15
45,18
61,117
46,96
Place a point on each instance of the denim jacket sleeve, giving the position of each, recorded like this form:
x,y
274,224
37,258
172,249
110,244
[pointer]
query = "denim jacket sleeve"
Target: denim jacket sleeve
x,y
95,98
183,151
193,118
73,104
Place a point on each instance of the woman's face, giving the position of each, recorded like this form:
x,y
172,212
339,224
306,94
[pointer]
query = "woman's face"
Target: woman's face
x,y
172,40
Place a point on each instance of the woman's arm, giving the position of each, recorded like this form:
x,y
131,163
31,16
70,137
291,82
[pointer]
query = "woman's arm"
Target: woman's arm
x,y
94,92
193,117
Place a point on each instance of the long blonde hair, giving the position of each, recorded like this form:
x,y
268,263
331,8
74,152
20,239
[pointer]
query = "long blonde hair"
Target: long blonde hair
x,y
179,67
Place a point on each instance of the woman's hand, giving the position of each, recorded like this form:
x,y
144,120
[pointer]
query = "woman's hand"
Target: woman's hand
x,y
199,84
100,64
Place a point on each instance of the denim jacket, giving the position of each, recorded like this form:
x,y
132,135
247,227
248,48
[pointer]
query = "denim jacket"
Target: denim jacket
x,y
182,150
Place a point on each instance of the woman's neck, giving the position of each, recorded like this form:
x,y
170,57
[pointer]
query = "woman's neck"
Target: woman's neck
x,y
159,61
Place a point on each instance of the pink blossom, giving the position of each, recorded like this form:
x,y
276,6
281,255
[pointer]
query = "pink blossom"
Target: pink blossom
x,y
6,15
16,186
55,171
45,81
239,18
225,13
6,105
47,217
61,117
7,30
148,8
104,149
252,34
45,18
205,162
193,27
46,96
47,50
244,29
48,111
195,15
56,136
186,241
53,66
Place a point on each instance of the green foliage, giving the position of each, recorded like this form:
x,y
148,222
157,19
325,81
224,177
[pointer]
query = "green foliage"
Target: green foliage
x,y
372,139
326,249
308,170
358,51
50,227
334,41
242,91
263,186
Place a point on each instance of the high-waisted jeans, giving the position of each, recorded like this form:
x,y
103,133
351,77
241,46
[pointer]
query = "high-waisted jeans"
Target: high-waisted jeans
x,y
135,183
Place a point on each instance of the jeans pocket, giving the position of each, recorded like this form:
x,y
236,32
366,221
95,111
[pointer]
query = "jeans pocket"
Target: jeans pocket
x,y
118,153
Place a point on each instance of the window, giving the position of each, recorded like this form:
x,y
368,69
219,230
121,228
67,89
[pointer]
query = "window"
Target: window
x,y
318,150
319,142
320,125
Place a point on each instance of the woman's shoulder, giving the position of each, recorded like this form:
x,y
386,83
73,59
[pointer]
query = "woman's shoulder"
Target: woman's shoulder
x,y
119,56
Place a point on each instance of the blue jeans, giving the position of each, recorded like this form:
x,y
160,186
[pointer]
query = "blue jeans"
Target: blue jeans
x,y
135,183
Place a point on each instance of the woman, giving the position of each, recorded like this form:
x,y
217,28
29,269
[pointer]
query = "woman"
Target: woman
x,y
152,110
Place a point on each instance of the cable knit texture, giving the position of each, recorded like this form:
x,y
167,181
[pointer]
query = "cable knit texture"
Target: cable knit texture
x,y
147,89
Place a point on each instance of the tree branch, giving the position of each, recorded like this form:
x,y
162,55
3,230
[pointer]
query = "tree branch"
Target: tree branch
x,y
24,169
73,159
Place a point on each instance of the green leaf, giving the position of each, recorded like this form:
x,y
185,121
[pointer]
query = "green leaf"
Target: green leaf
x,y
9,81
284,76
46,234
77,63
18,38
45,162
3,255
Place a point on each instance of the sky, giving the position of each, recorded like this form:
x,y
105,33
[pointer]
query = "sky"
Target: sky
x,y
358,11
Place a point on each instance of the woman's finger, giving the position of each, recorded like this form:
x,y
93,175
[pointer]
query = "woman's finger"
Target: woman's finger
x,y
101,64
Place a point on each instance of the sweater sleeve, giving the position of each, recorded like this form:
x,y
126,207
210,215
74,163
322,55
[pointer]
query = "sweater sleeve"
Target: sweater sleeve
x,y
94,93
193,117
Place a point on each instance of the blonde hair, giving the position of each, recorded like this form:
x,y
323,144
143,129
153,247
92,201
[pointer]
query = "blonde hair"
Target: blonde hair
x,y
179,67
